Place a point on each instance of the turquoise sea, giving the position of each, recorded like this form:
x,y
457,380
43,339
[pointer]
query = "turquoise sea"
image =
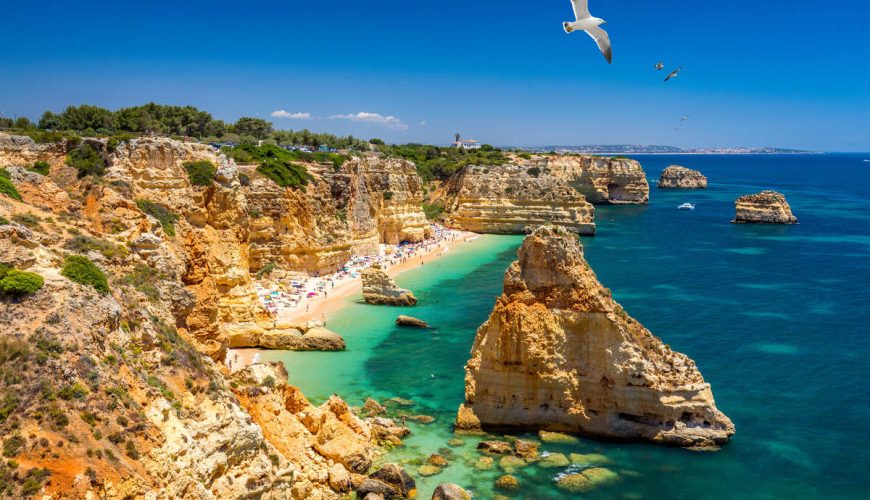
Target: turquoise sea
x,y
776,318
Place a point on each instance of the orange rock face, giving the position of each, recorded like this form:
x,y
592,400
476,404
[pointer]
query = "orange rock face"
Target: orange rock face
x,y
558,353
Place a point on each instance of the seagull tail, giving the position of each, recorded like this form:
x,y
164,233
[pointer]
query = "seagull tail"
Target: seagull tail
x,y
567,27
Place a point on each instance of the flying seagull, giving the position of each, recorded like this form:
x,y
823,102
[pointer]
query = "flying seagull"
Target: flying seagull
x,y
684,119
660,65
674,73
592,27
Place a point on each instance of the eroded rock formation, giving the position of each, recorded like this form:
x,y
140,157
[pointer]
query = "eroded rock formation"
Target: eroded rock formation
x,y
510,198
558,353
380,289
677,177
766,207
602,180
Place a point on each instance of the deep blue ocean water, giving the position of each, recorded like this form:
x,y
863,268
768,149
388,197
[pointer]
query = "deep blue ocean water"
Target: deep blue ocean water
x,y
776,318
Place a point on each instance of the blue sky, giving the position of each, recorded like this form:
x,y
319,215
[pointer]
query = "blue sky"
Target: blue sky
x,y
504,72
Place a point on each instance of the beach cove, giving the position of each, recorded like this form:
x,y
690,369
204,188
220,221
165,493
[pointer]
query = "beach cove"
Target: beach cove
x,y
708,288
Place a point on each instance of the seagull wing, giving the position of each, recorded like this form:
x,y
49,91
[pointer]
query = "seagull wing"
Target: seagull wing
x,y
603,40
581,9
673,74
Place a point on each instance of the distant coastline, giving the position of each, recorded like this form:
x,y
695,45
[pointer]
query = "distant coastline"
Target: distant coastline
x,y
623,149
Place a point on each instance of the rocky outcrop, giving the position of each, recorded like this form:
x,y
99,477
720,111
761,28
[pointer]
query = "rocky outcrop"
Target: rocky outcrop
x,y
510,198
602,180
677,177
766,207
450,491
380,289
411,322
244,335
558,353
326,443
22,151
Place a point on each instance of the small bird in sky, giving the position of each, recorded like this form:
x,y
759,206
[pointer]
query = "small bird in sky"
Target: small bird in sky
x,y
660,65
674,73
684,119
592,27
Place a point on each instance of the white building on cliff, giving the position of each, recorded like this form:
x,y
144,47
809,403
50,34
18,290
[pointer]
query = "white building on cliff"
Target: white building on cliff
x,y
465,143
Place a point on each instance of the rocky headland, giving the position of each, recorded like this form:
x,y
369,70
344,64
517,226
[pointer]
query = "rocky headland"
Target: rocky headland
x,y
766,207
558,353
144,277
508,199
677,177
602,180
380,289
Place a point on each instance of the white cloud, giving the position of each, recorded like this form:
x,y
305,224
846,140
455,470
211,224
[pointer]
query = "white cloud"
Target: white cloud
x,y
376,118
293,116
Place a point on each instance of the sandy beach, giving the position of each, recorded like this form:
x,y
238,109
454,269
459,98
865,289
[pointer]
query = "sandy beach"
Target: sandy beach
x,y
320,307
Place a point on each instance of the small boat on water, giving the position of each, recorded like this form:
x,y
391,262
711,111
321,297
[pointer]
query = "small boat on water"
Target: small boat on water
x,y
686,206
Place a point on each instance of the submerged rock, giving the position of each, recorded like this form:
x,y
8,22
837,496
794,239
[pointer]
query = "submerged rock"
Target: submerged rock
x,y
558,353
589,459
450,491
411,321
554,460
391,481
677,177
429,470
380,289
557,437
510,463
766,207
507,482
495,447
526,449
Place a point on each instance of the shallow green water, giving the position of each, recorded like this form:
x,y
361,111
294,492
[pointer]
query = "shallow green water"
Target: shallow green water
x,y
775,317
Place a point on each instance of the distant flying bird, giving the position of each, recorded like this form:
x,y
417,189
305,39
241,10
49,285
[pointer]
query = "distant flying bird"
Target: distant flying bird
x,y
591,25
674,73
684,119
660,65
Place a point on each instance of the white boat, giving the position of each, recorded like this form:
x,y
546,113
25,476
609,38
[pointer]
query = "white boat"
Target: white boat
x,y
686,206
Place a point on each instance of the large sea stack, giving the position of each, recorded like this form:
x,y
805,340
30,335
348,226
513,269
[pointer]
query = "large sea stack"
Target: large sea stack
x,y
766,207
677,177
558,353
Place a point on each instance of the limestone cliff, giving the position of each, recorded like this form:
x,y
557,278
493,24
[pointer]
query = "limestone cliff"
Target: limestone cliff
x,y
134,404
766,207
558,353
346,211
507,199
602,180
677,177
21,151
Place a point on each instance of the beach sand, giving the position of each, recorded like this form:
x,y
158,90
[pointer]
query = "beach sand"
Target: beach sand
x,y
319,308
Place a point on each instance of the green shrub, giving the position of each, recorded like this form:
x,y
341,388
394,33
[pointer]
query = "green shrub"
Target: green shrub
x,y
33,481
116,140
285,174
277,163
8,405
41,168
244,179
200,173
433,211
12,444
6,186
87,159
534,171
84,244
81,270
266,270
17,283
144,279
388,195
3,221
160,212
29,220
132,452
73,391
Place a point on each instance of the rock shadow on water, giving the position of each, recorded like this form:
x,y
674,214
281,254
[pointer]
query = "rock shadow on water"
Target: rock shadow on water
x,y
747,251
766,315
780,349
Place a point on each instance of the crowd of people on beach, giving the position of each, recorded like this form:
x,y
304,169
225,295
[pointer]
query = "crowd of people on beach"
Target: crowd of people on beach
x,y
300,290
